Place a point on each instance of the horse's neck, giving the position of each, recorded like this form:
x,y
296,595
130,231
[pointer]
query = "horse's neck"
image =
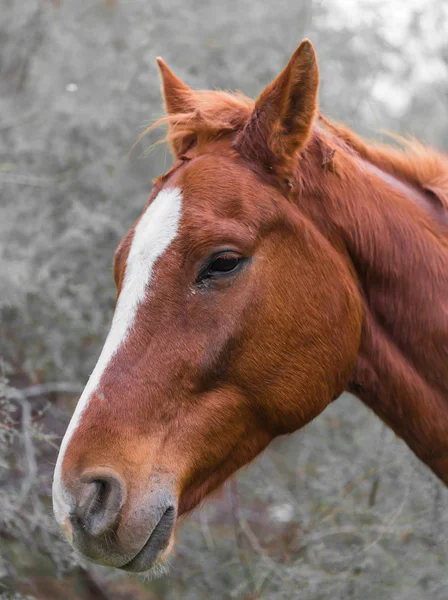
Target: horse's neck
x,y
398,390
400,255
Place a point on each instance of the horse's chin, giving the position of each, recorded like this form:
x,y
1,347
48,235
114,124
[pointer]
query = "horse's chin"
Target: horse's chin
x,y
155,570
145,565
157,548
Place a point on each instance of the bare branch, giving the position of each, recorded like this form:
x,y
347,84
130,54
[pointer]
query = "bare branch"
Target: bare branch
x,y
41,389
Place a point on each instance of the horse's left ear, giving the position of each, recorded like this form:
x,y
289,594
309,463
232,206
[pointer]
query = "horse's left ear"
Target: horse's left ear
x,y
283,115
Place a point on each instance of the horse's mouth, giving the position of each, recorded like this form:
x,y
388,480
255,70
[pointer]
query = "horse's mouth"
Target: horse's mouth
x,y
157,542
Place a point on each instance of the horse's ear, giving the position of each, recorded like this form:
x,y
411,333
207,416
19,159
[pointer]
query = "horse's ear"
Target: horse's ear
x,y
284,112
178,97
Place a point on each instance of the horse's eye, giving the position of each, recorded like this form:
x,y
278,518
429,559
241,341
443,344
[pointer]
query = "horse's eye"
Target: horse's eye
x,y
220,265
224,264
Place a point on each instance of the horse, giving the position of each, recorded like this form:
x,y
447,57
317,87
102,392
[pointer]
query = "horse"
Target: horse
x,y
279,262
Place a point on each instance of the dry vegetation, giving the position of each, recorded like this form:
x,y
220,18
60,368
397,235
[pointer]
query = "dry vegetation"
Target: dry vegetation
x,y
339,510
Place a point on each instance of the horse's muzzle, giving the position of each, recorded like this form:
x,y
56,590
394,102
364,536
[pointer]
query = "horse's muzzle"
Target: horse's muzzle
x,y
110,526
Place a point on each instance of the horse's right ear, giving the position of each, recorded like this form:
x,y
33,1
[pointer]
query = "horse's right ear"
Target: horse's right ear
x,y
178,99
177,96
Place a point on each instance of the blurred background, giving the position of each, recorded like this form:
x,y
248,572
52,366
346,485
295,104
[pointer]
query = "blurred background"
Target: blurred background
x,y
341,509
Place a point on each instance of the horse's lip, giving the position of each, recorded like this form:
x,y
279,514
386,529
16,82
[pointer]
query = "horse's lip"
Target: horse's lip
x,y
154,545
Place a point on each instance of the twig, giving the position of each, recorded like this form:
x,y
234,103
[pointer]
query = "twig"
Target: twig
x,y
378,529
351,485
41,389
206,530
30,456
233,494
252,538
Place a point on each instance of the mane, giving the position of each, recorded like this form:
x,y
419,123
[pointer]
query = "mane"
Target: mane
x,y
413,162
218,113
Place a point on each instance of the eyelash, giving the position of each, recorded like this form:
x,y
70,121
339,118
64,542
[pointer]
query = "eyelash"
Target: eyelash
x,y
208,273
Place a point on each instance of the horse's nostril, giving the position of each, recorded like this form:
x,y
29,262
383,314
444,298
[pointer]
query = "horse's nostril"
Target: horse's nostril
x,y
99,502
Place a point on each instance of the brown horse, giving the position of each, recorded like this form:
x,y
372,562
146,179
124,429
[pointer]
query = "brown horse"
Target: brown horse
x,y
278,263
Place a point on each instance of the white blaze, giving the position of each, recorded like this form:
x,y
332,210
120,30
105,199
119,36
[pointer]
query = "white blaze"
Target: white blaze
x,y
154,232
